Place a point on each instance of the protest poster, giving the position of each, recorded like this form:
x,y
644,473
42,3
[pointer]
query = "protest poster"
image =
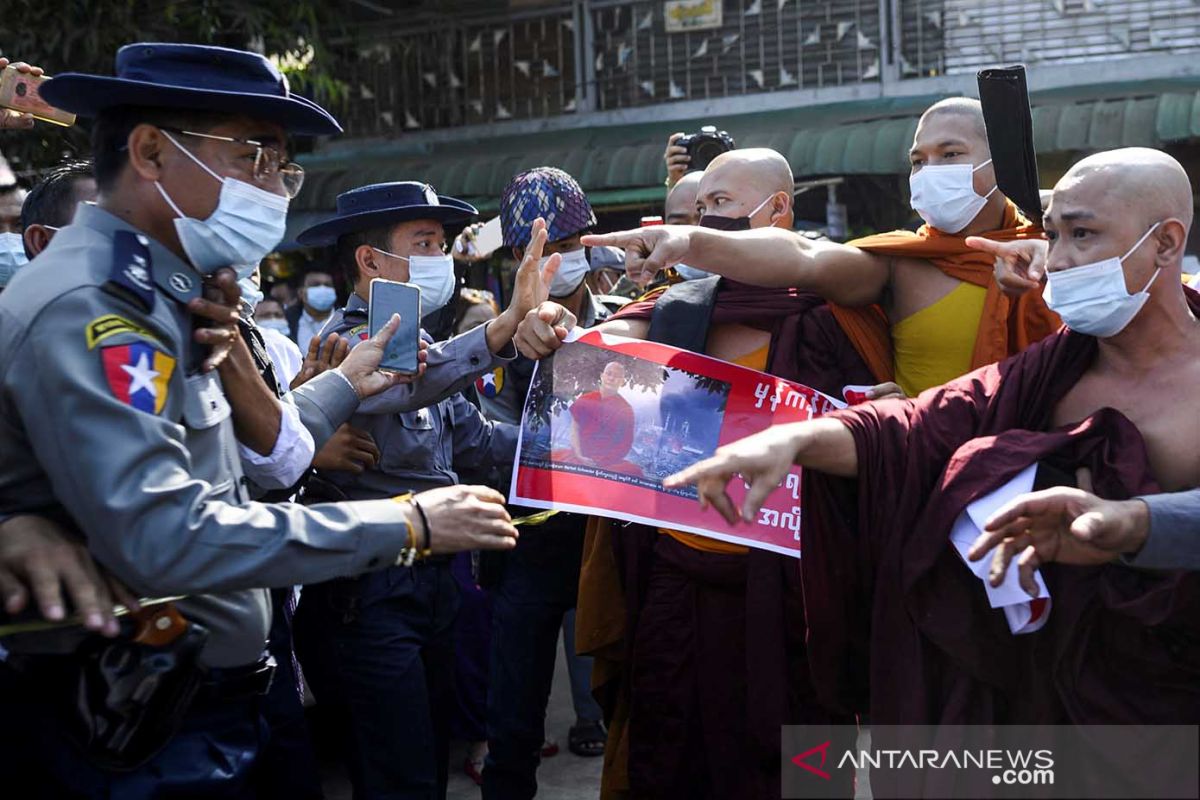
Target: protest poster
x,y
607,418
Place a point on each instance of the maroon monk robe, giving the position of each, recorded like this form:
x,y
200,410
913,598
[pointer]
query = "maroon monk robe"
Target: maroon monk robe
x,y
882,579
717,660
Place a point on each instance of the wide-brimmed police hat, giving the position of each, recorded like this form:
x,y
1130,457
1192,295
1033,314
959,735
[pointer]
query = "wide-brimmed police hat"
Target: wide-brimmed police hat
x,y
383,205
193,77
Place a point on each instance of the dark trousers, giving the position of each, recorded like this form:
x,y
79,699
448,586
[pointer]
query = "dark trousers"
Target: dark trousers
x,y
378,654
212,755
539,584
287,766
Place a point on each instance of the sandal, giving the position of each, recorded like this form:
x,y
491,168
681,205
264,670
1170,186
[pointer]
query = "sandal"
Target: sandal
x,y
473,768
587,739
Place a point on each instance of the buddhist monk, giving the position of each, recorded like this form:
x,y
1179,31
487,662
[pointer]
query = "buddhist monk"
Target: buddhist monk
x,y
705,661
1112,393
947,316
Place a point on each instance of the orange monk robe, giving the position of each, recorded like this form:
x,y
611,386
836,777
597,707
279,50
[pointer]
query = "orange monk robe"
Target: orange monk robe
x,y
1007,325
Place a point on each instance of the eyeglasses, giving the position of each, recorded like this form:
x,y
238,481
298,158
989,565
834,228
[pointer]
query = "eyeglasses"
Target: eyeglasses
x,y
269,161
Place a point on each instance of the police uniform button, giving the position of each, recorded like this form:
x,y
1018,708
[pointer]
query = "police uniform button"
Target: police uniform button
x,y
474,360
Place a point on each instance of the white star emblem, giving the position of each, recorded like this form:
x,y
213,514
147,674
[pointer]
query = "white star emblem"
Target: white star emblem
x,y
141,377
489,379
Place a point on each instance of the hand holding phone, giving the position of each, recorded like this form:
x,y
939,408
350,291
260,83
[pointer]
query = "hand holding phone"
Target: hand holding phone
x,y
21,91
393,297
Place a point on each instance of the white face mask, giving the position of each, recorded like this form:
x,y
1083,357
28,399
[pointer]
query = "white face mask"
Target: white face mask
x,y
251,293
246,225
1092,298
12,256
571,272
945,197
434,275
691,273
273,324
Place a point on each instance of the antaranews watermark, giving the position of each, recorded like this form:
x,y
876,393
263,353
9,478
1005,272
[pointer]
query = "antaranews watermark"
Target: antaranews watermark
x,y
1100,761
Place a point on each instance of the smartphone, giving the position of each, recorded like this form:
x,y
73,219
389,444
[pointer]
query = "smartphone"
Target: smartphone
x,y
393,297
20,91
489,238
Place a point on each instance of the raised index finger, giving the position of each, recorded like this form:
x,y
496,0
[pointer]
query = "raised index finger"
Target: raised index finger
x,y
622,239
987,245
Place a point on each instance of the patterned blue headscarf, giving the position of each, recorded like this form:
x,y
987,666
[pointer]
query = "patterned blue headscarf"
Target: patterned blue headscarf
x,y
548,193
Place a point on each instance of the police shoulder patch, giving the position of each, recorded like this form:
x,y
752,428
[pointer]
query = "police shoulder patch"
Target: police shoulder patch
x,y
138,374
360,331
130,277
108,325
490,384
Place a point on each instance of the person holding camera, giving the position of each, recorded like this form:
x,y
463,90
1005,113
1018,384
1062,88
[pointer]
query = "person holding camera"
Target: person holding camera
x,y
714,631
693,152
117,421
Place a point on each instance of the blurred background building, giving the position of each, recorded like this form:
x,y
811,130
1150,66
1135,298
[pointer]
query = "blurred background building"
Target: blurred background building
x,y
465,93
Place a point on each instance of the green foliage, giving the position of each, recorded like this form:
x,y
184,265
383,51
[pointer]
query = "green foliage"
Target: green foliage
x,y
84,36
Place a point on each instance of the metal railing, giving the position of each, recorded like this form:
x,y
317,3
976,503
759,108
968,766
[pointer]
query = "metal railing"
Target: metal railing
x,y
568,57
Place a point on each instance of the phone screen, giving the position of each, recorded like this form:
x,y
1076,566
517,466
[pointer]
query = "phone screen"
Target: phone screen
x,y
392,297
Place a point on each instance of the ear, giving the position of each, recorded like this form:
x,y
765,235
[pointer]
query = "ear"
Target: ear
x,y
781,203
1170,241
146,145
519,253
36,238
364,259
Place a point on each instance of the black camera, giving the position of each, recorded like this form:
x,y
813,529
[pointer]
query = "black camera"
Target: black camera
x,y
704,146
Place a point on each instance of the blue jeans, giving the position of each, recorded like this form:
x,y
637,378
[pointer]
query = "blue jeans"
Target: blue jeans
x,y
214,754
378,653
537,588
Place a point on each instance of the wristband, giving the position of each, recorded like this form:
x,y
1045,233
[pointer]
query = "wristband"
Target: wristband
x,y
409,552
426,550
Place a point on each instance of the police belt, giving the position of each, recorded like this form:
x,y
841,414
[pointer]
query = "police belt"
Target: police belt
x,y
237,683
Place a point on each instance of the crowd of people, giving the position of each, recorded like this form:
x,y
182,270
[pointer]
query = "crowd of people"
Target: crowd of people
x,y
223,458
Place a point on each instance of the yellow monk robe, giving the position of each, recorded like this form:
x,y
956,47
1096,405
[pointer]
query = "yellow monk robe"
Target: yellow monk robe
x,y
1005,326
926,348
756,360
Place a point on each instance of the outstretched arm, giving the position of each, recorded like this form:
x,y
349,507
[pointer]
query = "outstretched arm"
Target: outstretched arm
x,y
764,459
764,257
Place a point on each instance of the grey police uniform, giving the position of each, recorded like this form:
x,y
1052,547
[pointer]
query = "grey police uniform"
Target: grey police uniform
x,y
107,423
419,445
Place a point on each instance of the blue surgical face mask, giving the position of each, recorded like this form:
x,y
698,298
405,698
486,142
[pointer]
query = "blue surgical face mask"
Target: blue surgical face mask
x,y
1092,298
251,293
246,225
691,273
433,275
12,256
571,272
273,324
321,298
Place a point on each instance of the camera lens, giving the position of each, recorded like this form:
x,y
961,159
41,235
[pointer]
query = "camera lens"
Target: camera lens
x,y
704,152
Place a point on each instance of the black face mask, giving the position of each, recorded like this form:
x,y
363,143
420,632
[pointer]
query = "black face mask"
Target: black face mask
x,y
719,223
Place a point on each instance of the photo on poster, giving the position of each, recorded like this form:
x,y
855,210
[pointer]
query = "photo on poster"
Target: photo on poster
x,y
592,411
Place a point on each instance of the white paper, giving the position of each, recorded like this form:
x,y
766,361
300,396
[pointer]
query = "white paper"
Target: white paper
x,y
1008,595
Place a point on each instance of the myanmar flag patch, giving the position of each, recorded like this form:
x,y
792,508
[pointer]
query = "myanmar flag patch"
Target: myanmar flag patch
x,y
489,384
138,374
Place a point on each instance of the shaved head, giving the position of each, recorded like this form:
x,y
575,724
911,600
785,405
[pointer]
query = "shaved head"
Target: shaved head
x,y
1138,181
680,208
765,168
966,108
755,182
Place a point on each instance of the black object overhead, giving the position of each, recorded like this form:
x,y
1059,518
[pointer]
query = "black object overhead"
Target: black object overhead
x,y
1004,95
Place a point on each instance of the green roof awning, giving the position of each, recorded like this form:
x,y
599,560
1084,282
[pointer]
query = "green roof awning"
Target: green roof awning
x,y
622,165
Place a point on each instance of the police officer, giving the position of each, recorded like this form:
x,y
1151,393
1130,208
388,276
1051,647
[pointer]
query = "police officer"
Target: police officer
x,y
112,421
539,580
379,648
